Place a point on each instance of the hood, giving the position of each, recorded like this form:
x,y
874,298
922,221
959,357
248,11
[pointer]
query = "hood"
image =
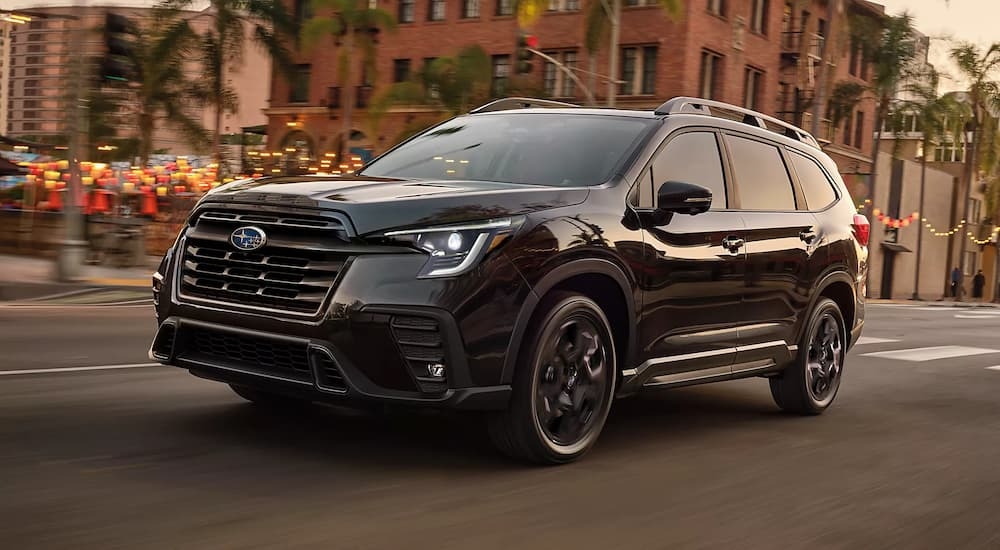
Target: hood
x,y
376,204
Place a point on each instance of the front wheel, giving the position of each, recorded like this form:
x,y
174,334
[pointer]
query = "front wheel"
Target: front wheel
x,y
563,385
810,383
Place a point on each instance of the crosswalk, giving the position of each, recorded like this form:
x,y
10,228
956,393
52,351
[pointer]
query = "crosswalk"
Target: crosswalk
x,y
926,354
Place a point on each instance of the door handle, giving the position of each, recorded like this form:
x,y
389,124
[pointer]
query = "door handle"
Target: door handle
x,y
808,236
733,244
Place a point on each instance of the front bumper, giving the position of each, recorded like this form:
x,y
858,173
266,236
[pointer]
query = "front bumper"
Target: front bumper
x,y
379,331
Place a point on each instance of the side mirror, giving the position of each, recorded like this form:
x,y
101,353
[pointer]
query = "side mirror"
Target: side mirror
x,y
683,198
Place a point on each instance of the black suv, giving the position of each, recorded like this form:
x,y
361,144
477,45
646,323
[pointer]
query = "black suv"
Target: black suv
x,y
532,259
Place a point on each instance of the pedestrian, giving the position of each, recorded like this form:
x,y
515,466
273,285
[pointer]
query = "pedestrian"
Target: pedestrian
x,y
956,277
978,282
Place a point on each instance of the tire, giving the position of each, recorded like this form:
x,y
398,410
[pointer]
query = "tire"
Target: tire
x,y
810,384
267,399
563,384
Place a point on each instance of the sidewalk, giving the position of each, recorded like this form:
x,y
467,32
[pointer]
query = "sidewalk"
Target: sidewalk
x,y
23,277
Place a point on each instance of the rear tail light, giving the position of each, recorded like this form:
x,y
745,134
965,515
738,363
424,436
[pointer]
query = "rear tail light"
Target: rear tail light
x,y
862,229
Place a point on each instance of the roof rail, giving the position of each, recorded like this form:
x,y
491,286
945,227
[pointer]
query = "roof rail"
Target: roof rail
x,y
509,103
697,106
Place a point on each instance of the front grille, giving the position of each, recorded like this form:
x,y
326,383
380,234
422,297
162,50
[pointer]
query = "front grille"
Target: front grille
x,y
421,345
277,357
293,272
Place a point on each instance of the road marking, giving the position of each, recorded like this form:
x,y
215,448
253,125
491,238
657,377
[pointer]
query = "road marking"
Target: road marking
x,y
120,305
931,353
873,340
78,369
996,368
970,315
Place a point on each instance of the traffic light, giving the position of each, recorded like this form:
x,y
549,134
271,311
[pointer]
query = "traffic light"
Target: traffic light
x,y
118,64
523,55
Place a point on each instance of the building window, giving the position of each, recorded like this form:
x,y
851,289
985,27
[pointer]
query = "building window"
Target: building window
x,y
400,70
32,71
299,91
855,62
31,114
949,152
501,70
639,3
34,48
303,11
373,4
557,82
29,126
564,5
848,125
638,70
406,11
752,82
437,11
648,85
975,210
505,7
718,7
758,16
470,9
711,63
859,129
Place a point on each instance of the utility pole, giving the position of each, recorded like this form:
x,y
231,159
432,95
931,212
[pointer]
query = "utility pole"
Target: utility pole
x,y
73,248
614,12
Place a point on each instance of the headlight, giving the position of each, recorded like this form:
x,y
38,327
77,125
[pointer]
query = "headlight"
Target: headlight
x,y
456,249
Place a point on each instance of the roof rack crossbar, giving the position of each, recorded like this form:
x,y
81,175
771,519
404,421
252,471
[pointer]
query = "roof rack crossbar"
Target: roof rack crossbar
x,y
509,103
694,105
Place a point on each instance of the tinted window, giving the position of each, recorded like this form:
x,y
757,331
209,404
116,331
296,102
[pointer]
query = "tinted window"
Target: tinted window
x,y
530,148
816,186
762,181
692,157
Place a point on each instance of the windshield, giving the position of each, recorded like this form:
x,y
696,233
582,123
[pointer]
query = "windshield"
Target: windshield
x,y
530,148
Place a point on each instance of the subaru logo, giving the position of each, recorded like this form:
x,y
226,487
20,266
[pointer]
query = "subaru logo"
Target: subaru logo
x,y
248,238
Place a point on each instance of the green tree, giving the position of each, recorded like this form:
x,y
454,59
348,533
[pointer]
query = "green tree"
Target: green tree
x,y
163,91
603,18
220,49
979,68
354,25
891,50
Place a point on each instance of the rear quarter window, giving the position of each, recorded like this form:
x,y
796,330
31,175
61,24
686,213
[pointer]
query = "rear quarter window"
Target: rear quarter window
x,y
816,185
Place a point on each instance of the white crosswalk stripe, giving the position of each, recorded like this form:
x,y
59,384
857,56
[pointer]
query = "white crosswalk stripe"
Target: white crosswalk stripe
x,y
873,340
996,368
930,353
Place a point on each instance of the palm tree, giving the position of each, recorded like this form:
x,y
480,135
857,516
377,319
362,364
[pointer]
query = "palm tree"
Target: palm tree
x,y
450,85
354,25
221,48
603,17
160,51
978,68
891,56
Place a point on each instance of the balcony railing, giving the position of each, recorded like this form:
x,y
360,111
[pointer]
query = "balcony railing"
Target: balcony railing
x,y
792,44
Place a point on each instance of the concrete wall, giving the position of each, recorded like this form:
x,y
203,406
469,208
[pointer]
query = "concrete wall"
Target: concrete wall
x,y
935,266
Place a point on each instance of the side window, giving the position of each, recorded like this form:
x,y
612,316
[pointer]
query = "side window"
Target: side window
x,y
692,157
762,181
817,187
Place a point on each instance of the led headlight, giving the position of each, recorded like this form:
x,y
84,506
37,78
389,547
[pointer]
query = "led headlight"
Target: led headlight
x,y
456,249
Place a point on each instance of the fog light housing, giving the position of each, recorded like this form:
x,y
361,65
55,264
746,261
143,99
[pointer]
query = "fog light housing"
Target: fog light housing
x,y
435,370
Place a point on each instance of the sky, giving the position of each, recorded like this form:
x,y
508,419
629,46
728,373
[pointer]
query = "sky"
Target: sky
x,y
976,21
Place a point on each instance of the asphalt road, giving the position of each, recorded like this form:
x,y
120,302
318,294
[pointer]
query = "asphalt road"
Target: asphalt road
x,y
151,457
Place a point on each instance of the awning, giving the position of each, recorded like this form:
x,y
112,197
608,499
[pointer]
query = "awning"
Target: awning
x,y
895,247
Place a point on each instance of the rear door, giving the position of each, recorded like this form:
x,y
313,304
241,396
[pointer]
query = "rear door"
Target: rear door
x,y
694,268
782,237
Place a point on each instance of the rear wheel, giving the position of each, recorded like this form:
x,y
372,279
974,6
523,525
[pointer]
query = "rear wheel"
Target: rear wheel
x,y
563,386
809,385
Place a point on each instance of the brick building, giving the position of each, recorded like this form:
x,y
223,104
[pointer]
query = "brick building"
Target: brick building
x,y
763,54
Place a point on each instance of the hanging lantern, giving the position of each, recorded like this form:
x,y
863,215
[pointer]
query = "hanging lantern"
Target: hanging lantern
x,y
161,191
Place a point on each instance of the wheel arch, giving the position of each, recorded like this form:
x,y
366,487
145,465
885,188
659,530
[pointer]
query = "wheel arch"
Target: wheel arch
x,y
600,280
839,287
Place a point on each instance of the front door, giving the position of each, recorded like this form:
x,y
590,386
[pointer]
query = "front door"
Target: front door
x,y
694,274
